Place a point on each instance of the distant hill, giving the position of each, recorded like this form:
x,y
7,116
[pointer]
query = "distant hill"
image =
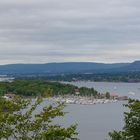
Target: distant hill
x,y
69,67
133,67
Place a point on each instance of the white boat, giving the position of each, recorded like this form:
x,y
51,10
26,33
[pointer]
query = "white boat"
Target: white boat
x,y
132,93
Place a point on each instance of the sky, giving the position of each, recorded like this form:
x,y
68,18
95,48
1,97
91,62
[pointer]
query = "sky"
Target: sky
x,y
44,31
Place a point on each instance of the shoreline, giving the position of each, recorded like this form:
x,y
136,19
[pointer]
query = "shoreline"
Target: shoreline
x,y
82,100
121,82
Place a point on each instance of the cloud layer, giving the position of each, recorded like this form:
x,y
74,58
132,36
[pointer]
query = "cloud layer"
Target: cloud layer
x,y
42,31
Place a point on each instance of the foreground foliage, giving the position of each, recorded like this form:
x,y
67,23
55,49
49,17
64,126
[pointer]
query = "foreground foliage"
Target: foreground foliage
x,y
131,130
19,120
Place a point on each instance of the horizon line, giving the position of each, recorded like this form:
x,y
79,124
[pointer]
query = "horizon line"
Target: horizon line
x,y
69,62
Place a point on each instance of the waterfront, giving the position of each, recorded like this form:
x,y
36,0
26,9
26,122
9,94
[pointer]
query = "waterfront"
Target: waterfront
x,y
131,90
81,100
95,117
94,122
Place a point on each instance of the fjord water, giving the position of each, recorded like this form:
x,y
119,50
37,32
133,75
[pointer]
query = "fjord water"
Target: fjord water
x,y
95,121
131,90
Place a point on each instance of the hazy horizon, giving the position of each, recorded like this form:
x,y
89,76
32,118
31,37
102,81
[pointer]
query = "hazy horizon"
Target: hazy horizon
x,y
72,62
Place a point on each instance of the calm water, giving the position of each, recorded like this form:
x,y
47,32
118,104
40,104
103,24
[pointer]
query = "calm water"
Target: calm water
x,y
95,121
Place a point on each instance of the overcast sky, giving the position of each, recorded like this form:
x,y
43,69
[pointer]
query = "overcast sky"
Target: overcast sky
x,y
42,31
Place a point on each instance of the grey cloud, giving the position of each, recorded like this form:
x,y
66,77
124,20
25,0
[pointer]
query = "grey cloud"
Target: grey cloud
x,y
72,30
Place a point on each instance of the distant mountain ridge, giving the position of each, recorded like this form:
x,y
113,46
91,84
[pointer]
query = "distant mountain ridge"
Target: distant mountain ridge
x,y
69,67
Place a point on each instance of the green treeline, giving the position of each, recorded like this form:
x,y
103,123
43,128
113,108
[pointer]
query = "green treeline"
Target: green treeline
x,y
103,77
43,88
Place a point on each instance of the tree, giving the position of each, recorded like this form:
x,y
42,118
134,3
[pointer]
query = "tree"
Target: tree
x,y
131,130
18,121
107,95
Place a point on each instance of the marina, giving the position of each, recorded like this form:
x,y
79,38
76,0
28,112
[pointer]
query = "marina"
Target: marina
x,y
82,100
95,121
